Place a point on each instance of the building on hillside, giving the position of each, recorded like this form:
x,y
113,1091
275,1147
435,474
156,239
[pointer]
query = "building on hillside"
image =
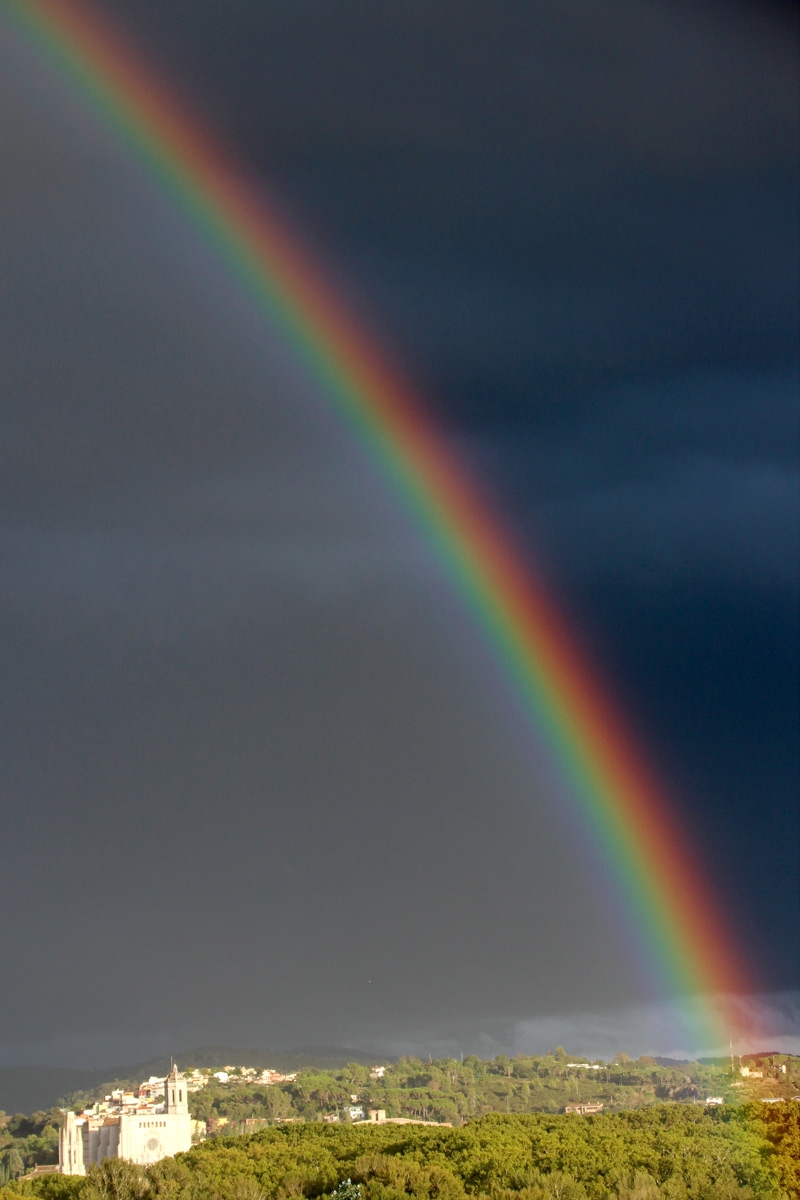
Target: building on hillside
x,y
141,1132
38,1171
583,1110
150,1088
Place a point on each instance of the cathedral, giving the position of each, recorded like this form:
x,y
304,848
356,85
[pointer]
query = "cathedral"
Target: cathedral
x,y
139,1132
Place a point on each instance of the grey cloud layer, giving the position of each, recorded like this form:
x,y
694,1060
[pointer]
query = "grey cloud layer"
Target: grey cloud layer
x,y
292,534
245,719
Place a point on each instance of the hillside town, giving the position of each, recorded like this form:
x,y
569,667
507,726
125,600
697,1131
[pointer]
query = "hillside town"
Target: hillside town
x,y
161,1116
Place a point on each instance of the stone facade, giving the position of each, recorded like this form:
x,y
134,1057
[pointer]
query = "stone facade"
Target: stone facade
x,y
140,1133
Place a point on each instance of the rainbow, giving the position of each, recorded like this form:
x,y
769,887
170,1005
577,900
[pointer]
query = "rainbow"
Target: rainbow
x,y
682,932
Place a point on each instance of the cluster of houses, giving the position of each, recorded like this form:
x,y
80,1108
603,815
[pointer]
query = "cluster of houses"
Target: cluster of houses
x,y
154,1122
377,1116
241,1075
142,1126
148,1124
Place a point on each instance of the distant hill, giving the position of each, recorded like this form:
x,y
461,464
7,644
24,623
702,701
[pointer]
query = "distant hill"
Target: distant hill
x,y
29,1089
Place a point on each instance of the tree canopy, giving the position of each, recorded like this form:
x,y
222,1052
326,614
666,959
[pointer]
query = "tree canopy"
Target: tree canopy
x,y
668,1152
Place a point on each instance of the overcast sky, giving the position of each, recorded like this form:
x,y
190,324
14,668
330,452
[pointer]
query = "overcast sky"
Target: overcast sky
x,y
262,781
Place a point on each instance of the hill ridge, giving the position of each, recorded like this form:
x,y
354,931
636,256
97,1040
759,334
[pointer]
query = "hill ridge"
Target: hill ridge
x,y
27,1089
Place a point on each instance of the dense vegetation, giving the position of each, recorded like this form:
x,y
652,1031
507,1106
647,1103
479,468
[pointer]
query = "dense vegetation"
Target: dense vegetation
x,y
25,1141
450,1091
460,1093
675,1152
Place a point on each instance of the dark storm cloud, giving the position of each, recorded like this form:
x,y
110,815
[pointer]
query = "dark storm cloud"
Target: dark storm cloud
x,y
238,722
690,477
249,740
531,199
622,278
702,518
600,1035
680,85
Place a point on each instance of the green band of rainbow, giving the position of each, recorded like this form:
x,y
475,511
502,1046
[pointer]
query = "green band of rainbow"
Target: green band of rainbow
x,y
681,929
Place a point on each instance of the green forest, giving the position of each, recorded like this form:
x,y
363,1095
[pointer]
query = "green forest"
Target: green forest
x,y
451,1091
276,1121
28,1140
667,1151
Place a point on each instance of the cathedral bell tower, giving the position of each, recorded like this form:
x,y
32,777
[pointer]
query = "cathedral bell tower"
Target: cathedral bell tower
x,y
175,1096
